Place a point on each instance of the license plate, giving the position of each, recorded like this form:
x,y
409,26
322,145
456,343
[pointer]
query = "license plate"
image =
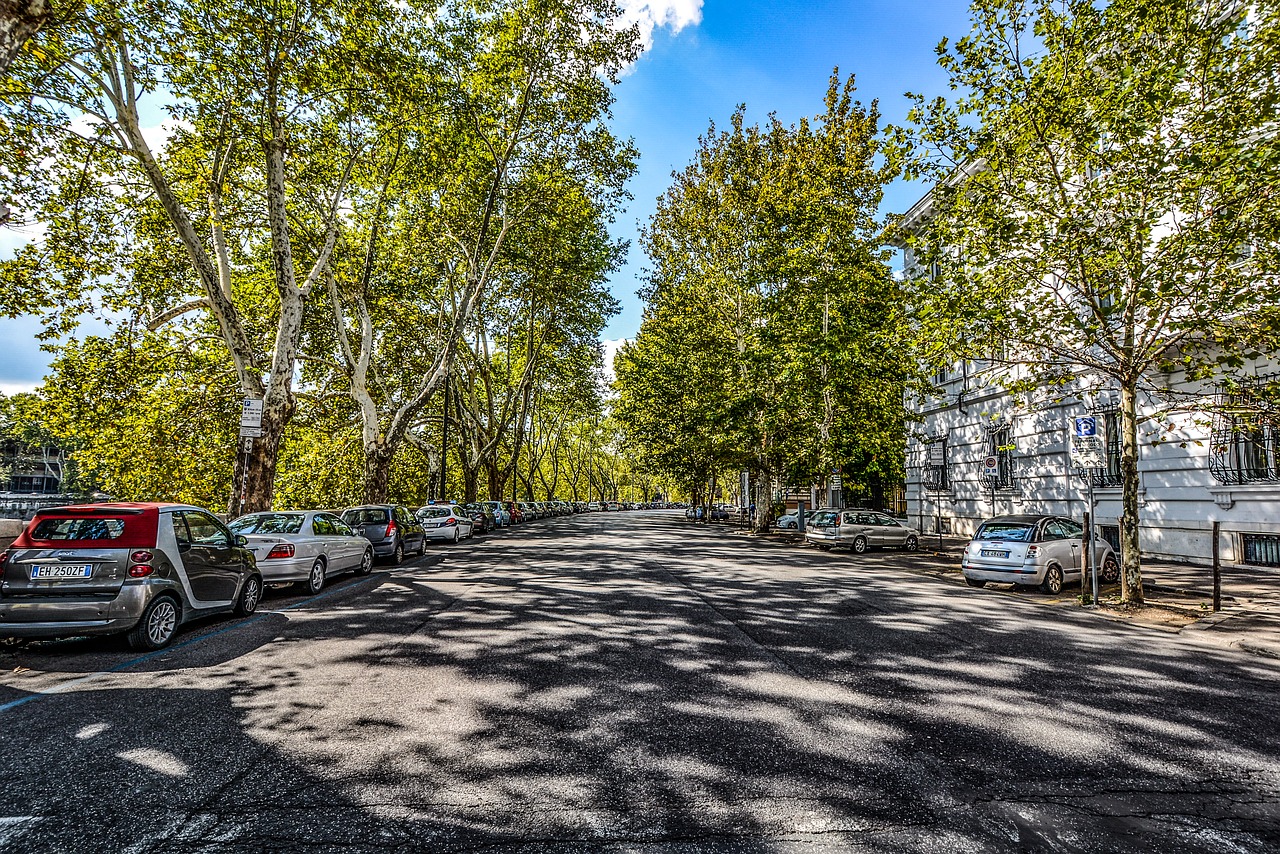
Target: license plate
x,y
993,553
62,570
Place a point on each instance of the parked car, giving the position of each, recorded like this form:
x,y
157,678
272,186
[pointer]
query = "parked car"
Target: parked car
x,y
448,522
391,528
482,517
516,511
530,511
501,515
139,569
593,506
790,520
306,547
859,530
1043,550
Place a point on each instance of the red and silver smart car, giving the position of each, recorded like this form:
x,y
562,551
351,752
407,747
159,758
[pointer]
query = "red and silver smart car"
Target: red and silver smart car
x,y
140,569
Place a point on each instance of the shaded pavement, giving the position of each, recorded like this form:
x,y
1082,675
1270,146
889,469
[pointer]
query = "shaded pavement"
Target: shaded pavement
x,y
618,682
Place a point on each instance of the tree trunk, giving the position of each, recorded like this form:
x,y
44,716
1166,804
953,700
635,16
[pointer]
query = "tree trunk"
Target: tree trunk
x,y
19,21
377,472
1130,552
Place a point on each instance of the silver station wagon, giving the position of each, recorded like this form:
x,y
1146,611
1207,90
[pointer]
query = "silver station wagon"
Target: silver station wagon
x,y
1043,550
123,568
859,530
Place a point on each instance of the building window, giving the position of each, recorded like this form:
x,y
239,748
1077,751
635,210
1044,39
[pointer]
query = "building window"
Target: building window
x,y
1000,446
1245,442
1109,476
1261,549
940,376
934,473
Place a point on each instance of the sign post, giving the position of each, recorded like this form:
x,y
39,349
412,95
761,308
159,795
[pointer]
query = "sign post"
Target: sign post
x,y
1088,452
250,429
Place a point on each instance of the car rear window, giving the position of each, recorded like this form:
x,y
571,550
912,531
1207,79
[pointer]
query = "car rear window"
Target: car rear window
x,y
96,528
1019,532
365,516
433,512
268,523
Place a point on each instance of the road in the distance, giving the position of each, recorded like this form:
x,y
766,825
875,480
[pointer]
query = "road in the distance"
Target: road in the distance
x,y
627,682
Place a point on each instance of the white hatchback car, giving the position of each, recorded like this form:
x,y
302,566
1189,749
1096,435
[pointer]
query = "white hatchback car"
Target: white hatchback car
x,y
447,522
1043,550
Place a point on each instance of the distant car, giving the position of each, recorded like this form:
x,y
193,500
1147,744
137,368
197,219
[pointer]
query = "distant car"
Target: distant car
x,y
391,528
501,515
138,569
448,522
790,520
307,546
516,511
1042,550
593,506
859,530
481,517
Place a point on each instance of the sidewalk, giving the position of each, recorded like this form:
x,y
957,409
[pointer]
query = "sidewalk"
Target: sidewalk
x,y
1250,615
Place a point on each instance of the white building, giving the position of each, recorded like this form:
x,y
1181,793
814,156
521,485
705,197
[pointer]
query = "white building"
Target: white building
x,y
978,451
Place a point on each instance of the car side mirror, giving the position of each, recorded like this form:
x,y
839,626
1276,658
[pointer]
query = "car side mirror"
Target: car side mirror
x,y
242,540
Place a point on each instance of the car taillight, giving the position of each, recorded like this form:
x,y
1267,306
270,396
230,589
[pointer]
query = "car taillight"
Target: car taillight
x,y
141,557
1032,551
4,558
450,521
141,570
391,528
280,550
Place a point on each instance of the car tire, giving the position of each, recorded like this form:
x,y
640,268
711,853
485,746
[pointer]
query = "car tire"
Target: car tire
x,y
454,539
912,543
1110,570
366,563
250,596
859,545
422,546
1052,583
975,582
315,578
397,554
158,625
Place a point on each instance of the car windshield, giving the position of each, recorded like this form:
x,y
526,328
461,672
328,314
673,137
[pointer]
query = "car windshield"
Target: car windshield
x,y
433,512
78,529
268,523
1019,532
365,516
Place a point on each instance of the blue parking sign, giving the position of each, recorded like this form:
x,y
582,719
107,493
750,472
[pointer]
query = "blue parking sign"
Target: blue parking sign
x,y
1086,426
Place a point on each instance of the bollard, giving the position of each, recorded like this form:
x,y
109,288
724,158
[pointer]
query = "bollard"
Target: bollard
x,y
1217,568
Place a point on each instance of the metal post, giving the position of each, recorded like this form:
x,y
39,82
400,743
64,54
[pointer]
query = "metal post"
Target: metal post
x,y
444,444
1217,567
1092,557
1086,541
939,522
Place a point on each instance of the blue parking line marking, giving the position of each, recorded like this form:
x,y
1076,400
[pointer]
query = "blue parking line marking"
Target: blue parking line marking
x,y
142,659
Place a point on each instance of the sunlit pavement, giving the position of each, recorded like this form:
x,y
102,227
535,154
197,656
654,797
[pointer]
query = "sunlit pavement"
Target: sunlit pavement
x,y
626,682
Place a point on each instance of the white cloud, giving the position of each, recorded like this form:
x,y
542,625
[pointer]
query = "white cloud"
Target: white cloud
x,y
649,15
611,347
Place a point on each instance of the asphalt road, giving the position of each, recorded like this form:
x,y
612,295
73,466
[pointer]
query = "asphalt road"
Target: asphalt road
x,y
625,682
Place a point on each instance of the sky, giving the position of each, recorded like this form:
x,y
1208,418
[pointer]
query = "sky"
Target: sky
x,y
705,57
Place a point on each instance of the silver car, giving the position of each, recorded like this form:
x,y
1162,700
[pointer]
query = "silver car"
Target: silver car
x,y
859,530
305,546
1043,550
447,522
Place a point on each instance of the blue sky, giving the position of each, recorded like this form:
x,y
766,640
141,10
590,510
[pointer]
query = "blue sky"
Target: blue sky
x,y
705,58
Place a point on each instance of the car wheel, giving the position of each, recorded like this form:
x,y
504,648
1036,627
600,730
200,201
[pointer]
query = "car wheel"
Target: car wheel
x,y
250,596
1052,583
454,539
975,582
315,578
859,545
366,562
397,556
422,546
911,544
158,625
1110,570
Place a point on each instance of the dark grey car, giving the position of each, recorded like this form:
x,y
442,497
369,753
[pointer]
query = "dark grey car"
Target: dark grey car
x,y
391,528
